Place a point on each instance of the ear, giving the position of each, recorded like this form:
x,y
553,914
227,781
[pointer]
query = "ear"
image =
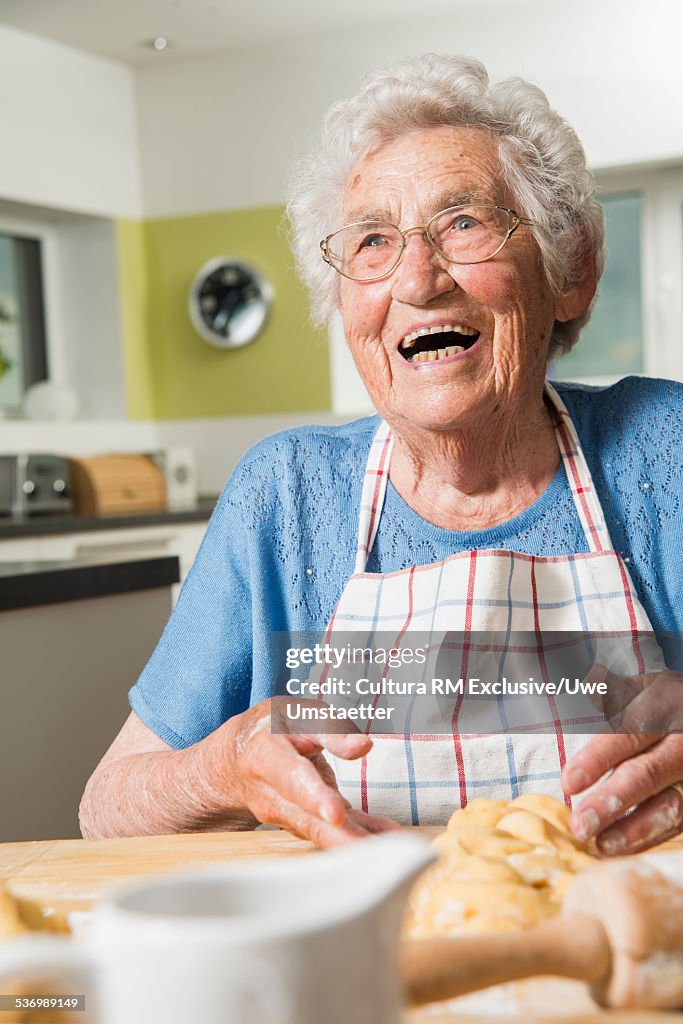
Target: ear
x,y
577,297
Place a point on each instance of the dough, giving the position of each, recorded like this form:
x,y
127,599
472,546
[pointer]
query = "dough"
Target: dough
x,y
17,917
502,866
11,922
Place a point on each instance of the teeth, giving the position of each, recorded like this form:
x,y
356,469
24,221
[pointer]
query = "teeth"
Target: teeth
x,y
434,354
411,338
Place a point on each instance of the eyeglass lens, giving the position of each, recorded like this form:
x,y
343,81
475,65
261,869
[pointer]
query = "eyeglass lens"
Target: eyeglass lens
x,y
464,234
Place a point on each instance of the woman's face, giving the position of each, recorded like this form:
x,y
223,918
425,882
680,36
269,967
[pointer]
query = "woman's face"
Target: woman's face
x,y
507,299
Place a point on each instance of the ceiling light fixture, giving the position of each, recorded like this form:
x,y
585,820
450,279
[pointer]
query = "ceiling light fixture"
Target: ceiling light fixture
x,y
159,44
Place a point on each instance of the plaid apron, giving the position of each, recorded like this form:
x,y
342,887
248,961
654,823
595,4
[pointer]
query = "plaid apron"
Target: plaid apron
x,y
420,778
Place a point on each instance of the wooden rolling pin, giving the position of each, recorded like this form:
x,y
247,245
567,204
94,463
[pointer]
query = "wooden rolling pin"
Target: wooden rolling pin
x,y
620,930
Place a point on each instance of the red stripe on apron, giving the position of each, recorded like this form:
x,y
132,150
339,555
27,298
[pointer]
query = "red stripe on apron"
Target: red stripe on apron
x,y
628,598
364,763
457,742
561,751
379,486
579,490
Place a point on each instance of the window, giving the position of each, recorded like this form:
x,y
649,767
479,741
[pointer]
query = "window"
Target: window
x,y
23,353
612,343
637,324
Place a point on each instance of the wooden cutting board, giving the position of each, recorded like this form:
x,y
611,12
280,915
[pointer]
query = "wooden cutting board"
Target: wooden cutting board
x,y
68,875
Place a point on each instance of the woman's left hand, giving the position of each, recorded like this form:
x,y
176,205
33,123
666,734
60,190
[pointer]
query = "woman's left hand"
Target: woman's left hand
x,y
644,759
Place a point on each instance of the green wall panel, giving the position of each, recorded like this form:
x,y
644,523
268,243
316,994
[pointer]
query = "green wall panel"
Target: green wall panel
x,y
171,372
134,297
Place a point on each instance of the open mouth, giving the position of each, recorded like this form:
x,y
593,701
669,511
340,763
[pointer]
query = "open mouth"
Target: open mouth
x,y
428,344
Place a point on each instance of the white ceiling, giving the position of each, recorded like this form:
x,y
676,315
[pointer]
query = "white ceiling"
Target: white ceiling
x,y
119,29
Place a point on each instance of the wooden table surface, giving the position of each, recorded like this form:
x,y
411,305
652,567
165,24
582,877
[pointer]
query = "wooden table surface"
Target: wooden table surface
x,y
68,875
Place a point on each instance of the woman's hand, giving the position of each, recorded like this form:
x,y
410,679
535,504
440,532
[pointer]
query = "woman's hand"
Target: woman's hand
x,y
283,779
644,756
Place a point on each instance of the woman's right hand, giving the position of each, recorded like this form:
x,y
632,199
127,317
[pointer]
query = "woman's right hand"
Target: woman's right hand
x,y
283,779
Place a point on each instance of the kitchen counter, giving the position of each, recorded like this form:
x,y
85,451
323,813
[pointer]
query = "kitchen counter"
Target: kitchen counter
x,y
68,876
30,584
46,525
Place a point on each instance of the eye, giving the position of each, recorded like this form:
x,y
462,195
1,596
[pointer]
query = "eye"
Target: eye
x,y
464,222
372,241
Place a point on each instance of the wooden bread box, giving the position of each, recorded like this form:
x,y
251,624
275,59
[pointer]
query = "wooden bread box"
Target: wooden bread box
x,y
116,485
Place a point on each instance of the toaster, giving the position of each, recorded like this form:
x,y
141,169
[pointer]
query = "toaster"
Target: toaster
x,y
34,485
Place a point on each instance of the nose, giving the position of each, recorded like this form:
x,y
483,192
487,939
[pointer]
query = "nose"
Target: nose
x,y
422,274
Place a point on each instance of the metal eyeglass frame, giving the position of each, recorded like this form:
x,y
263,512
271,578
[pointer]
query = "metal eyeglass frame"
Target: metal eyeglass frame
x,y
517,219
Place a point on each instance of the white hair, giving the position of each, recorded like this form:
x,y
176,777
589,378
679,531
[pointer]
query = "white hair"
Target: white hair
x,y
543,165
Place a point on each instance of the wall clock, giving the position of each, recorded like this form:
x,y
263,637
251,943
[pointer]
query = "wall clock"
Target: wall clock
x,y
229,302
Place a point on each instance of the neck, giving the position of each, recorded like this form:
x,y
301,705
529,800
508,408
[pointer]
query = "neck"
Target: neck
x,y
480,474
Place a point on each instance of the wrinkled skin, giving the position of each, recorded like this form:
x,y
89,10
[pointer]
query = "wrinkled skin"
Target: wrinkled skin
x,y
283,778
643,754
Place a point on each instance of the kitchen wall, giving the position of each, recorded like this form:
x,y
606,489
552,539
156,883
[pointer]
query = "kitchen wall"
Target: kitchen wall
x,y
229,125
71,126
117,280
218,442
69,164
69,129
171,372
189,156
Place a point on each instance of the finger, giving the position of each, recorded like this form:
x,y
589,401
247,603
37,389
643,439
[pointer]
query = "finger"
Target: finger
x,y
658,708
600,755
368,822
274,761
649,703
328,776
371,823
615,695
308,826
632,783
600,676
341,738
659,818
335,809
326,772
349,746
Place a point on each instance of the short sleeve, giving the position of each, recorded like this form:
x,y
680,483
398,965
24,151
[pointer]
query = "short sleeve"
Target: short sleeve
x,y
200,673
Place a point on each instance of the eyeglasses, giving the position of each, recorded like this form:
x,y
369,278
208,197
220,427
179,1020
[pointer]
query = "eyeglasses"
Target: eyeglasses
x,y
371,249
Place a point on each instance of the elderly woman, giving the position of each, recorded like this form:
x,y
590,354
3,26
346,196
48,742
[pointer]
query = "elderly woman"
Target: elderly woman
x,y
462,244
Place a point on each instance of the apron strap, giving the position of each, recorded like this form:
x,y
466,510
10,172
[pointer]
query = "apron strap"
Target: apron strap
x,y
581,485
372,495
588,507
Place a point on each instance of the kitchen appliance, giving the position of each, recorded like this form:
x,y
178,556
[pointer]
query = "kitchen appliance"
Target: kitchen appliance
x,y
117,485
34,485
179,466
